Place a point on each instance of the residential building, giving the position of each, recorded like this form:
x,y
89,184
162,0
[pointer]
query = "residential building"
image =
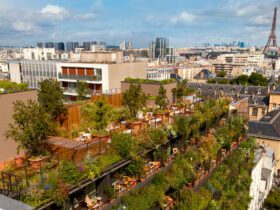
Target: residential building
x,y
267,132
190,71
39,54
258,96
101,77
160,73
262,176
274,99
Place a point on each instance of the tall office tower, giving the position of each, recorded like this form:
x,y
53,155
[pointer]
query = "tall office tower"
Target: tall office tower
x,y
76,45
170,56
128,45
162,45
86,46
152,50
49,45
93,42
59,46
40,45
122,46
69,46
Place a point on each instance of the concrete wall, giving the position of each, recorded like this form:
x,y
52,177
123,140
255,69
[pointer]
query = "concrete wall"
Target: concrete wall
x,y
101,57
153,89
8,148
118,72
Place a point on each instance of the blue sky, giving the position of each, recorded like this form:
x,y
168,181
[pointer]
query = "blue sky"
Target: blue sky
x,y
185,22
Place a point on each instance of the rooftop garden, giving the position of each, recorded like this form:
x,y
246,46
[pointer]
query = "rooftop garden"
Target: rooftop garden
x,y
189,165
12,87
149,81
53,178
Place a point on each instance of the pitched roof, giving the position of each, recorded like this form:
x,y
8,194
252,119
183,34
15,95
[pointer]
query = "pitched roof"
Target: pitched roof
x,y
7,203
267,127
204,74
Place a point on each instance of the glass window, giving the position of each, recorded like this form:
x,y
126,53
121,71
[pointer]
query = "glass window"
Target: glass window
x,y
255,112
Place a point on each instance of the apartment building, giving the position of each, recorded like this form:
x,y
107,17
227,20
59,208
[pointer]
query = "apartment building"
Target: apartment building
x,y
160,73
262,176
101,77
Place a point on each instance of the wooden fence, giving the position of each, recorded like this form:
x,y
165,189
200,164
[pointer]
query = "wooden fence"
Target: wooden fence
x,y
113,99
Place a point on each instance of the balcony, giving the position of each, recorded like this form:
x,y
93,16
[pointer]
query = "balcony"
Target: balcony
x,y
79,77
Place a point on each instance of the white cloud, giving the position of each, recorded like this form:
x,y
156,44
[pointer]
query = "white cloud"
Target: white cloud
x,y
22,26
54,12
261,20
86,16
184,18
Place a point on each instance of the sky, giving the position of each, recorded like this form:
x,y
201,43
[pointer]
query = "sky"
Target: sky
x,y
186,23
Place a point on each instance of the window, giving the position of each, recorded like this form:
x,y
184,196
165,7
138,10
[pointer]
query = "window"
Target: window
x,y
263,112
255,112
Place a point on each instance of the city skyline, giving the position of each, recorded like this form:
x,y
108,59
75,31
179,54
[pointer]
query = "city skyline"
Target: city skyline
x,y
184,23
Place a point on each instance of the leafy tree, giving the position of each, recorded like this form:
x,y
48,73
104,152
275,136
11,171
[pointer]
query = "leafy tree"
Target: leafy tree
x,y
257,80
221,74
161,99
223,81
212,81
82,90
135,168
242,80
182,90
31,127
134,99
122,144
50,97
102,113
272,201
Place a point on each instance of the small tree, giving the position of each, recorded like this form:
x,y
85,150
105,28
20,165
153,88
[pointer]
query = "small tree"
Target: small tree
x,y
221,74
161,99
82,90
31,127
122,144
102,113
134,99
50,97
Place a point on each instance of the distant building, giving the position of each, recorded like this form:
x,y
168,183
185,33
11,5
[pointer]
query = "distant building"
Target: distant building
x,y
76,45
86,46
126,45
160,50
60,46
40,45
49,45
152,50
69,46
39,53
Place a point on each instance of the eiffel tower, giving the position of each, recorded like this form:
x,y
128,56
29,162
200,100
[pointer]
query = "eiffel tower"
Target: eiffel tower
x,y
271,48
